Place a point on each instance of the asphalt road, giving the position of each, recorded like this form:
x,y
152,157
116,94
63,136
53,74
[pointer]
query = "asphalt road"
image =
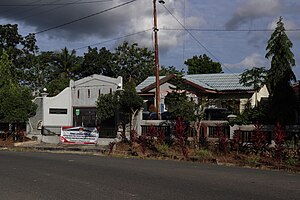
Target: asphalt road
x,y
26,175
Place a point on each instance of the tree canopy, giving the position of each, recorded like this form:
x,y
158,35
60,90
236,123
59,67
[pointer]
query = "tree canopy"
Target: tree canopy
x,y
134,62
16,104
280,75
202,65
178,102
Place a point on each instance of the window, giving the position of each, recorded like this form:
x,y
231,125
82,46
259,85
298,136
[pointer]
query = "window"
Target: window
x,y
78,94
99,92
110,90
89,93
58,111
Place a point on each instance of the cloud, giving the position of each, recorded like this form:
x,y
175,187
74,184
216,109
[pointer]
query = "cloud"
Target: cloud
x,y
253,9
125,20
288,24
253,60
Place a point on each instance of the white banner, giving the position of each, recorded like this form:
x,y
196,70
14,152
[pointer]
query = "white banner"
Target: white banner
x,y
78,135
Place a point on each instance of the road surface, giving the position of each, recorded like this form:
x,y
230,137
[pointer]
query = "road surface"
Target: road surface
x,y
29,175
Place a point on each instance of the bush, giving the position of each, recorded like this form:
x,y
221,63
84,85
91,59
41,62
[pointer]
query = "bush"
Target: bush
x,y
259,140
279,141
203,154
162,148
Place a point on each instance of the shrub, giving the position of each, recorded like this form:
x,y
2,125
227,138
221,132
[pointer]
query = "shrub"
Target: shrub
x,y
111,146
237,141
259,139
279,141
203,154
162,148
222,140
133,136
291,161
253,160
181,137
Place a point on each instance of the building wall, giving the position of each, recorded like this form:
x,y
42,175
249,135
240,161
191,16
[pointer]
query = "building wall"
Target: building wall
x,y
61,101
85,92
55,112
35,122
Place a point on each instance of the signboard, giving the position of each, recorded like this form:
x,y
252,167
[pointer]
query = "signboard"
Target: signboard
x,y
78,135
77,112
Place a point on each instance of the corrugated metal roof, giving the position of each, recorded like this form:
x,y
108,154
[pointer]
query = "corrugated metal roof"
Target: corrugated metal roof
x,y
217,82
148,81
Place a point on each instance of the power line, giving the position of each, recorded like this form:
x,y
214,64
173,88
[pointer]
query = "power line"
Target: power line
x,y
45,11
225,30
53,4
114,39
189,32
88,16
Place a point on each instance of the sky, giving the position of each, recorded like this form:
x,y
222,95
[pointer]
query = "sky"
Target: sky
x,y
232,32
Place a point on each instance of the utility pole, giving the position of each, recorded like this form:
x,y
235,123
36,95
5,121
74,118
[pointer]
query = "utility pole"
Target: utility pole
x,y
157,91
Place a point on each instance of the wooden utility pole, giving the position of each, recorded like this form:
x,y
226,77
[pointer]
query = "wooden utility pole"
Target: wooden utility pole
x,y
157,91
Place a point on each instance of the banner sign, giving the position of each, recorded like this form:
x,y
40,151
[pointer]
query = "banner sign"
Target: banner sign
x,y
78,135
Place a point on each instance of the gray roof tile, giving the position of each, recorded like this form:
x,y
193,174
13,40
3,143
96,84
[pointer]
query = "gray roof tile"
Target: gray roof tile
x,y
218,82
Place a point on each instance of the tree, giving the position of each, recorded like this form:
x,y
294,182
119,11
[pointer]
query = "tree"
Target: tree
x,y
126,103
64,65
202,65
255,77
178,102
18,48
282,97
129,103
164,71
133,62
107,104
16,104
98,62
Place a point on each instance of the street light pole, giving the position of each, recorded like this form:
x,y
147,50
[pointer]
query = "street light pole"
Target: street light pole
x,y
157,91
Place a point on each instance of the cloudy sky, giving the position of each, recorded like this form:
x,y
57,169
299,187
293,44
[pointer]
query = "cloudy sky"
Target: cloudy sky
x,y
232,32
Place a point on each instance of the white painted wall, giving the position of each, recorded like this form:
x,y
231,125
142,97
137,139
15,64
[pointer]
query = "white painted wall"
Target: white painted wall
x,y
262,93
62,100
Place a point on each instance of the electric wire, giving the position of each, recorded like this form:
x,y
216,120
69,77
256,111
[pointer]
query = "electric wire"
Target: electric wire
x,y
114,39
85,17
47,11
189,32
225,30
52,4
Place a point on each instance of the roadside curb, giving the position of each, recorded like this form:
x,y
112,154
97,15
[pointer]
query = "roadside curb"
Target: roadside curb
x,y
83,149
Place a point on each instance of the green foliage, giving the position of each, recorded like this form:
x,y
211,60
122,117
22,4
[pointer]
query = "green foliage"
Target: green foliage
x,y
282,97
165,71
55,86
203,154
252,115
134,62
162,148
178,103
107,104
6,72
282,58
16,104
129,100
255,77
98,62
202,65
65,63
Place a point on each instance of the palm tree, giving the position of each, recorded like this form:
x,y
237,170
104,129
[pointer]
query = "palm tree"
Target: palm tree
x,y
66,62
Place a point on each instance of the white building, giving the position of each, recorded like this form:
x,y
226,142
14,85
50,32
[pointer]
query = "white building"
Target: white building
x,y
74,106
